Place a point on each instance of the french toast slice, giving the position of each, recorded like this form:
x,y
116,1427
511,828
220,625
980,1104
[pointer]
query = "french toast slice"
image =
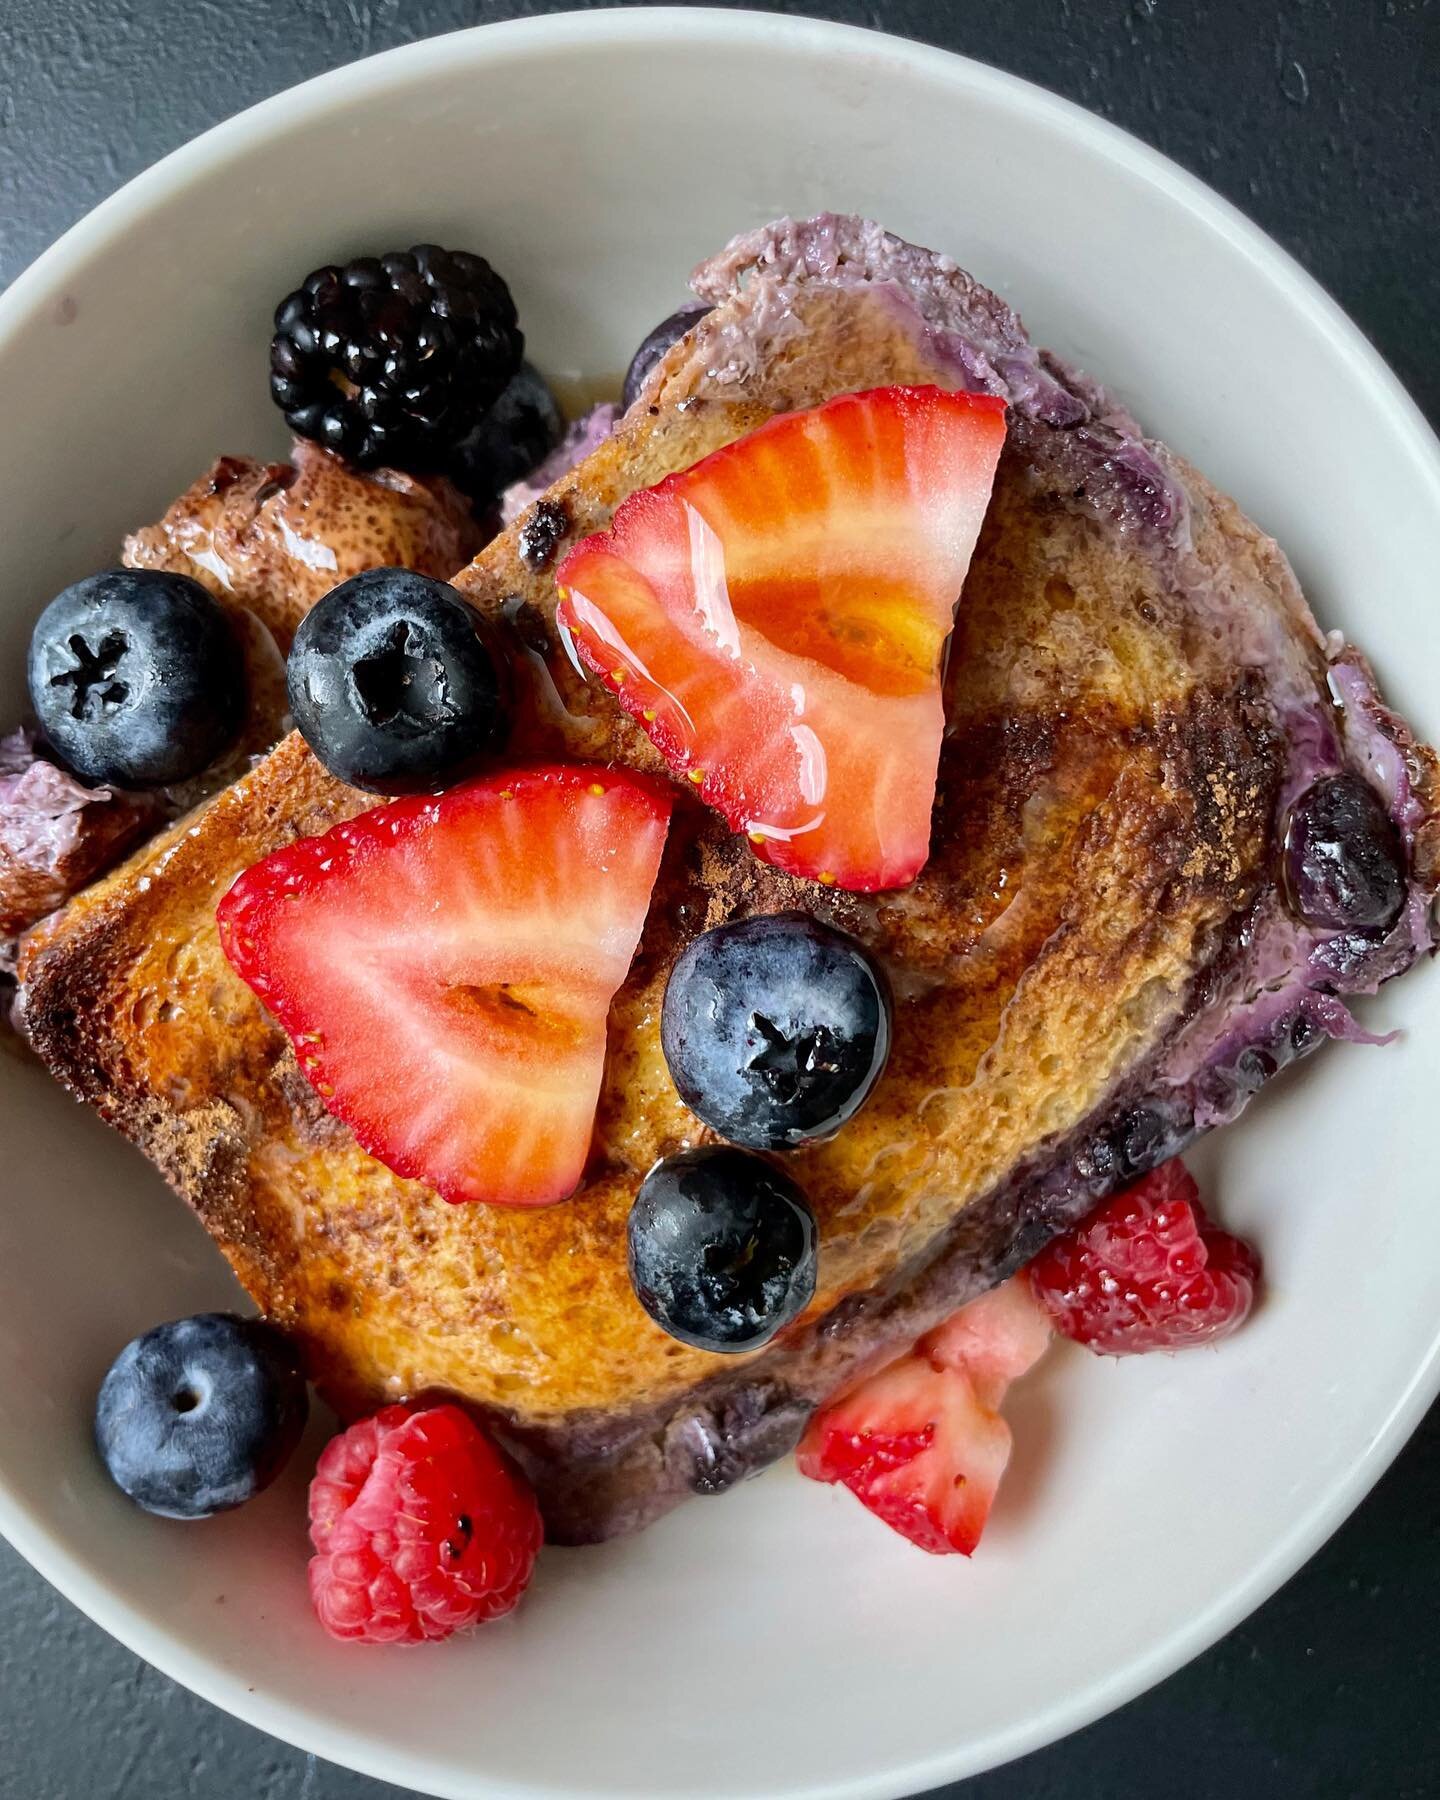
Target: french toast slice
x,y
1097,962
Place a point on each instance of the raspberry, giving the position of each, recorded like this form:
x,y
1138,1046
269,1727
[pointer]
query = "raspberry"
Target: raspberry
x,y
421,1528
1147,1271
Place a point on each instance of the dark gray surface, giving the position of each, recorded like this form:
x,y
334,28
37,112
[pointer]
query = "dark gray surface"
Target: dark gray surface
x,y
1318,118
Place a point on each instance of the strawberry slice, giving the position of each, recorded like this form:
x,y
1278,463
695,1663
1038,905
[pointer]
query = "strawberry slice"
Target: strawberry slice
x,y
776,617
443,968
922,1443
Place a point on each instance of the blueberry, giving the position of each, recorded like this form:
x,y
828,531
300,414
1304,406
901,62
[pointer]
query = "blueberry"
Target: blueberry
x,y
722,1248
136,677
519,431
775,1029
1344,859
654,345
393,684
198,1416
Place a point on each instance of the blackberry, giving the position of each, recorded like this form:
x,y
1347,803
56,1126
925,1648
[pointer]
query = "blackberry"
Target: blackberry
x,y
395,358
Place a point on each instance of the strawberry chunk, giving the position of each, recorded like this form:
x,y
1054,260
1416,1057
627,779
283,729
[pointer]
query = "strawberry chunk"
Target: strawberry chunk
x,y
922,1443
1147,1271
443,968
776,618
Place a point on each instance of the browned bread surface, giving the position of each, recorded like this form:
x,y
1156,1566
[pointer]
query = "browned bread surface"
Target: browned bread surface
x,y
271,538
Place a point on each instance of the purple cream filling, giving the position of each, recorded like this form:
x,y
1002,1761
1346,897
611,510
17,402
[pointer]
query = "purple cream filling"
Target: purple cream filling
x,y
55,831
964,325
585,435
56,835
41,807
1279,974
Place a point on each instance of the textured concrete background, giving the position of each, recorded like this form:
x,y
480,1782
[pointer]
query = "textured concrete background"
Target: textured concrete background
x,y
1318,118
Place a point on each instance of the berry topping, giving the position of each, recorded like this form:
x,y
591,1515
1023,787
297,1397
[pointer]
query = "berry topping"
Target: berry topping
x,y
518,432
922,1443
722,1248
56,837
444,969
421,1528
136,677
1344,858
775,1029
1147,1271
655,344
775,618
393,686
395,358
198,1416
542,533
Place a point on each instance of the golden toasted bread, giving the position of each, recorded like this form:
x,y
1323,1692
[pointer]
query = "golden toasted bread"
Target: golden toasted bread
x,y
1134,691
271,538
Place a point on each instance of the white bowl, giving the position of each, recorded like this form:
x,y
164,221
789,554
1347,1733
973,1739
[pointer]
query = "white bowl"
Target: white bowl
x,y
778,1642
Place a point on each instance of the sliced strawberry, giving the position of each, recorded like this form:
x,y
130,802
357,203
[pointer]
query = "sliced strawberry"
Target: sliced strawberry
x,y
776,616
444,968
922,1443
